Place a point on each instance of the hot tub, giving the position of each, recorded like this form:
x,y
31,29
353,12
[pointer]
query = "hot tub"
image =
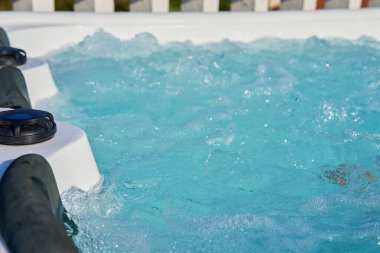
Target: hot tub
x,y
40,34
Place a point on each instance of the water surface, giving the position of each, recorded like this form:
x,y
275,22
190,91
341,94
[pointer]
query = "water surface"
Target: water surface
x,y
268,146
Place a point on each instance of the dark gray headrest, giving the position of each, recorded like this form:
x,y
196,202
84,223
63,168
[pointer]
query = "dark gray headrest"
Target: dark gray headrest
x,y
13,90
4,41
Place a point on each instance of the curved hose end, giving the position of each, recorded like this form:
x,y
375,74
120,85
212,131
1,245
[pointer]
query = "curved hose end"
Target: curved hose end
x,y
31,210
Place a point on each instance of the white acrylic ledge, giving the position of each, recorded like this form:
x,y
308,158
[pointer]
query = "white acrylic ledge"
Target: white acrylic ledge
x,y
68,153
39,80
3,247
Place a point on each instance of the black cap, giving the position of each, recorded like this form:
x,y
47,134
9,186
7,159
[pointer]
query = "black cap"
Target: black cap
x,y
26,126
10,56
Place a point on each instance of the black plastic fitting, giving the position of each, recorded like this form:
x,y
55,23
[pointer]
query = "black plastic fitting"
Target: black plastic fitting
x,y
10,56
26,126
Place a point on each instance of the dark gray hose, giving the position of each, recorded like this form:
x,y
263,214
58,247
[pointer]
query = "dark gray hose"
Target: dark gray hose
x,y
31,210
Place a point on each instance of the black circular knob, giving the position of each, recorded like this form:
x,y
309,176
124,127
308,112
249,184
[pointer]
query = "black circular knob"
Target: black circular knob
x,y
12,56
26,126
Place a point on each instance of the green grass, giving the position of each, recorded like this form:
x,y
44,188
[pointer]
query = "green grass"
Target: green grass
x,y
64,5
120,5
5,5
224,5
175,5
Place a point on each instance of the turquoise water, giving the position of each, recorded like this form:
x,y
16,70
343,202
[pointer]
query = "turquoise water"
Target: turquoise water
x,y
268,146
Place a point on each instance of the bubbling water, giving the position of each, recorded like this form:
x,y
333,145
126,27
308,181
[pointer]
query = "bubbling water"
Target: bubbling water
x,y
267,146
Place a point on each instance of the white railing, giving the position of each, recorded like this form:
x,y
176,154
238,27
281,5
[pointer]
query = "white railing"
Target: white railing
x,y
162,6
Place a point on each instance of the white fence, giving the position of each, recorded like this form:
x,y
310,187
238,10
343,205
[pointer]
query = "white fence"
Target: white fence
x,y
162,6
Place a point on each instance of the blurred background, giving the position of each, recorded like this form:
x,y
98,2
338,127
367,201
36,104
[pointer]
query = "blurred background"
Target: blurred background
x,y
120,5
